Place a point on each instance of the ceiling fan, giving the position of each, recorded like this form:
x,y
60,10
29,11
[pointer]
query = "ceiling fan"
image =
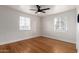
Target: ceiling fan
x,y
39,9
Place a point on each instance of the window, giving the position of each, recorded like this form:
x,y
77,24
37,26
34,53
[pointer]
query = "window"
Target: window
x,y
60,25
24,23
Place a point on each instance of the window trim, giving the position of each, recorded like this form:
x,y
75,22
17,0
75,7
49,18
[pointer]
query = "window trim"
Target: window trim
x,y
25,17
60,24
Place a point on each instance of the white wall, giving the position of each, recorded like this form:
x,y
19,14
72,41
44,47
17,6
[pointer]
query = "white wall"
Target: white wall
x,y
48,26
77,38
77,31
9,26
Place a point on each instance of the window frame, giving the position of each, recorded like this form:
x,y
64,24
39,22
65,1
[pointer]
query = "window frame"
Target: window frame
x,y
60,28
21,24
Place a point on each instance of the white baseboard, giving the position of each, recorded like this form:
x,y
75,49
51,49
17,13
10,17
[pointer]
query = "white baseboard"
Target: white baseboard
x,y
7,42
57,38
16,40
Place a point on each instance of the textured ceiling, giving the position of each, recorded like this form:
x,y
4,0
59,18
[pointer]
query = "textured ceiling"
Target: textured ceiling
x,y
54,9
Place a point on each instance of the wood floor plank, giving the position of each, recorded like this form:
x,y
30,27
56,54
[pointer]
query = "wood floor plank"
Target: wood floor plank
x,y
39,45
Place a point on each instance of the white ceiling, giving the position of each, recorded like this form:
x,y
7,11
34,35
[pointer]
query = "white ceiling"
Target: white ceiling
x,y
53,9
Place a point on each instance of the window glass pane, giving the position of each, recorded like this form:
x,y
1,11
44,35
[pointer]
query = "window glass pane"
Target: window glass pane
x,y
60,25
24,23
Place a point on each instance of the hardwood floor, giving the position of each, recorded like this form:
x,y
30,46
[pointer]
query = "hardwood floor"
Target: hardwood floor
x,y
39,45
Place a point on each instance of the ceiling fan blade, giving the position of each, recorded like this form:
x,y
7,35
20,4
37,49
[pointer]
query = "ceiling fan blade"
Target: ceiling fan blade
x,y
38,6
45,9
33,9
43,12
